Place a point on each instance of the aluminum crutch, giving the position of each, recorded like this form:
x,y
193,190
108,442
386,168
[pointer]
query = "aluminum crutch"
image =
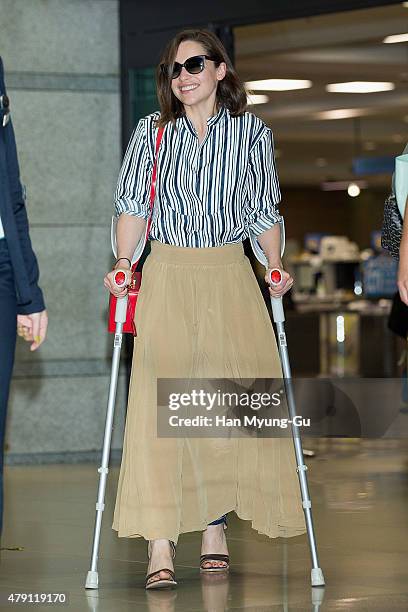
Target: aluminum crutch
x,y
317,578
120,318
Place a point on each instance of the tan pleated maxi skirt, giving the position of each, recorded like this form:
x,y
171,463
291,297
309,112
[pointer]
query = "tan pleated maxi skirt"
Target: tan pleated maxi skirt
x,y
201,314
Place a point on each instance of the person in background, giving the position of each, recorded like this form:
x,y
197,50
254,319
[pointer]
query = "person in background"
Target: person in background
x,y
398,317
403,295
403,257
22,306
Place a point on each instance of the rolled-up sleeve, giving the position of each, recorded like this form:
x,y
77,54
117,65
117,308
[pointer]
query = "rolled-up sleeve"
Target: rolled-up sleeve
x,y
263,187
132,195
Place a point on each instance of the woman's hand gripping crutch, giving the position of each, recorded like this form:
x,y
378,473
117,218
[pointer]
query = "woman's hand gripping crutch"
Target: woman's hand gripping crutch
x,y
117,282
279,282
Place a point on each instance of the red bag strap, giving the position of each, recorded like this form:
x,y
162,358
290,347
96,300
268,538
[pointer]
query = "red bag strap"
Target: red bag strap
x,y
152,190
153,187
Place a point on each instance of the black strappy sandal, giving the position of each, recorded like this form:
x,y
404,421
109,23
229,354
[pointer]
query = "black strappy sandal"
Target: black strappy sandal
x,y
162,582
214,556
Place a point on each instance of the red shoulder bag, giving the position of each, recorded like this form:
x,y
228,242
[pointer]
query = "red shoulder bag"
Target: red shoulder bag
x,y
134,287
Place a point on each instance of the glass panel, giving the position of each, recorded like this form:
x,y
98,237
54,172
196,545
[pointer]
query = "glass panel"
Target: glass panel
x,y
143,98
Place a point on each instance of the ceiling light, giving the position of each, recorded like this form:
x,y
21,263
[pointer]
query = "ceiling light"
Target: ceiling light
x,y
340,113
341,185
278,84
353,190
396,38
360,87
257,99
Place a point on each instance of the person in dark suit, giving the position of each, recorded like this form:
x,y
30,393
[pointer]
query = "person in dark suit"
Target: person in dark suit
x,y
22,308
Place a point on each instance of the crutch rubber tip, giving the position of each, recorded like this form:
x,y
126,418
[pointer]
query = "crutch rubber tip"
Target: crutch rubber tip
x,y
119,278
91,580
317,577
317,596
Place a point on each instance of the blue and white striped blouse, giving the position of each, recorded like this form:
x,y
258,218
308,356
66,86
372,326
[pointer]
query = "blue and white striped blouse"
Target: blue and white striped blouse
x,y
207,194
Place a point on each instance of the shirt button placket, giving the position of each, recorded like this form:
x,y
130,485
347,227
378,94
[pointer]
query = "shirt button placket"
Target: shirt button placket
x,y
196,166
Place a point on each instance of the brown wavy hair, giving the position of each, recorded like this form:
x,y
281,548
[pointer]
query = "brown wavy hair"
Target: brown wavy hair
x,y
231,92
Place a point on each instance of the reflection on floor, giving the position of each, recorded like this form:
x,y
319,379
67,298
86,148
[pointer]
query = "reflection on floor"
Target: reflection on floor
x,y
360,496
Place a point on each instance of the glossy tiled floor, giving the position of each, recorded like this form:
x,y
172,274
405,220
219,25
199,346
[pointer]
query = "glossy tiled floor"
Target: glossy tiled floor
x,y
360,502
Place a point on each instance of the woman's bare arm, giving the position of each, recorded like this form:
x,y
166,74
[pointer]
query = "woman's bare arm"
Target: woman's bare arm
x,y
129,231
270,244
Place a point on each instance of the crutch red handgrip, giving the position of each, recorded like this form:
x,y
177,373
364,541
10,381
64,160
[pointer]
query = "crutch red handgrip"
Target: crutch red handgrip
x,y
275,276
119,278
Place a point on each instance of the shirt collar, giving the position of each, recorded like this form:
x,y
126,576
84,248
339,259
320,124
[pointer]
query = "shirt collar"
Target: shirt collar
x,y
218,118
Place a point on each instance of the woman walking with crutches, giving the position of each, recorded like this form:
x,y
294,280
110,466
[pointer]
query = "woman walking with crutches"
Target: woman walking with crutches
x,y
200,312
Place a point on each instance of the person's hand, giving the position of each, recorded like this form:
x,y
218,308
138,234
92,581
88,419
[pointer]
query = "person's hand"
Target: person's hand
x,y
33,328
109,283
284,286
403,279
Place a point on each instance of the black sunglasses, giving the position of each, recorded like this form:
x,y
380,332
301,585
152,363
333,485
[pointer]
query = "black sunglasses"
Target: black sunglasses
x,y
193,65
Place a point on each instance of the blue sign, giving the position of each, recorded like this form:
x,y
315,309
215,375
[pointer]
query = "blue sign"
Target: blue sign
x,y
313,240
373,165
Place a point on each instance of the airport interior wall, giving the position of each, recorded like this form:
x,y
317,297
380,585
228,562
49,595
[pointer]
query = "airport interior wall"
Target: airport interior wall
x,y
61,60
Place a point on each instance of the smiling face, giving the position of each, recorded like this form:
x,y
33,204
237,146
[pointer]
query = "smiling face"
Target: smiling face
x,y
193,89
